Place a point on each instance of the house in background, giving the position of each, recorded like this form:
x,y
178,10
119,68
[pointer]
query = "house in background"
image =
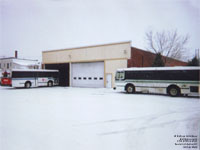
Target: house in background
x,y
9,63
95,66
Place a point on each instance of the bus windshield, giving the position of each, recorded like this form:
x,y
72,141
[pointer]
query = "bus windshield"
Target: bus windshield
x,y
120,75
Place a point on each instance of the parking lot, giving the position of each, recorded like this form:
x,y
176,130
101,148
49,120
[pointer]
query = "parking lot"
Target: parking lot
x,y
93,119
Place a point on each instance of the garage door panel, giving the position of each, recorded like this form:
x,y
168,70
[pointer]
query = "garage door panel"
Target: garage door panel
x,y
88,74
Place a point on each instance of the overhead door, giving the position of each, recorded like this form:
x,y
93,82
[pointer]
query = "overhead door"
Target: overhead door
x,y
87,74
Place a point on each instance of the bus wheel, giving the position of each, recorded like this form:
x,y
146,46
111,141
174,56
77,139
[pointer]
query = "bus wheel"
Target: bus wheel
x,y
130,88
27,84
174,91
50,83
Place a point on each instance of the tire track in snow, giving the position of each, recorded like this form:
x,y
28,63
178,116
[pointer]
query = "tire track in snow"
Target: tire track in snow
x,y
148,127
143,123
151,118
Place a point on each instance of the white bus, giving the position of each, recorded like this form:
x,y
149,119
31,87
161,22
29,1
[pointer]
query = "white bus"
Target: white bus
x,y
163,80
30,78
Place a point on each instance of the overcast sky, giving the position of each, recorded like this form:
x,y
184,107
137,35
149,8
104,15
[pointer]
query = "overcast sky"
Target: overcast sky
x,y
31,26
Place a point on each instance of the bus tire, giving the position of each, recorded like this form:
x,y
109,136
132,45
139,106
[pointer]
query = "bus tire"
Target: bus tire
x,y
50,84
28,84
174,91
130,88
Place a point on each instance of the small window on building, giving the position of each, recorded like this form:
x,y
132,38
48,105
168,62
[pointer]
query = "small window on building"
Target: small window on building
x,y
79,78
95,78
0,66
84,78
101,78
90,78
8,65
74,78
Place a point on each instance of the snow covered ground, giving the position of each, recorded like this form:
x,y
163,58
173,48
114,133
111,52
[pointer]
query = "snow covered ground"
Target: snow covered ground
x,y
62,118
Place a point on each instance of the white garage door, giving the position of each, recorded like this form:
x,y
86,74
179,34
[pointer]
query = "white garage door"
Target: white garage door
x,y
87,74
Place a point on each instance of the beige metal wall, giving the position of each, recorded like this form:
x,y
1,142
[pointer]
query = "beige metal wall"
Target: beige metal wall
x,y
111,66
114,55
90,53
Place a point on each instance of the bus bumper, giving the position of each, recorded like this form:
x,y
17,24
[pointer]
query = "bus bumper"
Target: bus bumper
x,y
8,85
119,88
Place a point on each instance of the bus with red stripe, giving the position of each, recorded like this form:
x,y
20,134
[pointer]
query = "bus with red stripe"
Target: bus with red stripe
x,y
30,78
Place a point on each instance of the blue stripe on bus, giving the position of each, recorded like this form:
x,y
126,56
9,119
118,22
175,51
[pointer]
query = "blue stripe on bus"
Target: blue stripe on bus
x,y
27,78
23,78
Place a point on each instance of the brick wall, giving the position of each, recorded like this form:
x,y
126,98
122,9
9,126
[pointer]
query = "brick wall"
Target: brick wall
x,y
141,58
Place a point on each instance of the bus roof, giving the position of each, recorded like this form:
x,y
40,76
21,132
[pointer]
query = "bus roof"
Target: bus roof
x,y
34,70
160,68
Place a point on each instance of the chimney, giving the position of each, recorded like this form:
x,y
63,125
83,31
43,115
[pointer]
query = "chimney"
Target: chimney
x,y
16,54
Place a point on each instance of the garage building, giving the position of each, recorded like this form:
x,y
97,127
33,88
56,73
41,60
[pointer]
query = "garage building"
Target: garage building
x,y
89,66
95,66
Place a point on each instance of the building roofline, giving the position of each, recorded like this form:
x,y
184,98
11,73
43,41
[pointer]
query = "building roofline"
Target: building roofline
x,y
17,58
35,70
7,58
89,46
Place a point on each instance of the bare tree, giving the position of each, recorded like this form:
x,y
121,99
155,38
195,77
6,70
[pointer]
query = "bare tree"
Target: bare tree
x,y
167,43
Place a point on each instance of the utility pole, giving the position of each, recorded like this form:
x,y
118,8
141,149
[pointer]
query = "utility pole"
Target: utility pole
x,y
197,55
